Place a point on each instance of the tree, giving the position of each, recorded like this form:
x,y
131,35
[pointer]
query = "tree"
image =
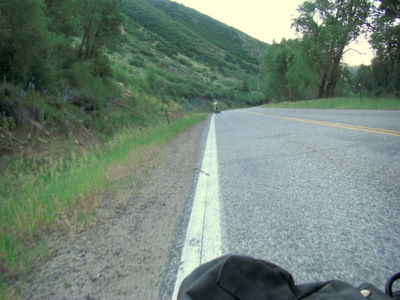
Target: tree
x,y
245,87
301,75
23,39
327,27
364,79
98,25
273,72
60,14
288,72
386,42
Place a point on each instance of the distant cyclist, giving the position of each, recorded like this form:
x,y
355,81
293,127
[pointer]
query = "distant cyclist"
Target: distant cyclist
x,y
216,105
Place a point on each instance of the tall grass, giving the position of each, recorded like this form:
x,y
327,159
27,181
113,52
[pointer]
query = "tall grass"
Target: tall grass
x,y
355,102
31,202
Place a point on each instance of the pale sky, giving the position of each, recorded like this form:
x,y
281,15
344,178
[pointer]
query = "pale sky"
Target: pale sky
x,y
266,20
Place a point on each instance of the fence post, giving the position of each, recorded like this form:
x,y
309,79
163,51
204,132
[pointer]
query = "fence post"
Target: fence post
x,y
166,114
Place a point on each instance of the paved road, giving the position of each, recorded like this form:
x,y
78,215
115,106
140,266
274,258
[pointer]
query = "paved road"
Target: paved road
x,y
314,191
321,201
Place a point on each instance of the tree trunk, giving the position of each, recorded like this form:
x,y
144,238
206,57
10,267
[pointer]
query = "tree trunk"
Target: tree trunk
x,y
322,85
331,75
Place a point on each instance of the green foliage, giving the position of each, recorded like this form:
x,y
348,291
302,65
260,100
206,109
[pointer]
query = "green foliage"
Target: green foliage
x,y
187,57
187,39
273,72
363,80
120,73
221,36
34,195
355,102
385,41
98,25
7,123
57,46
137,62
328,27
153,79
287,72
60,14
58,43
311,67
29,107
24,39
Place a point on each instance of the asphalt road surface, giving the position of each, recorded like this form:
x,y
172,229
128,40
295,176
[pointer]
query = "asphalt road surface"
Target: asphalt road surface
x,y
314,191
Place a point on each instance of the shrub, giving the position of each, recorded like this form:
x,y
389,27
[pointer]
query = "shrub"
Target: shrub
x,y
120,73
7,123
136,61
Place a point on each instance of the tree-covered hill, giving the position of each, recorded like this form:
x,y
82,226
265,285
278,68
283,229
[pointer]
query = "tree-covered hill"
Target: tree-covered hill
x,y
185,28
79,62
88,79
205,58
68,66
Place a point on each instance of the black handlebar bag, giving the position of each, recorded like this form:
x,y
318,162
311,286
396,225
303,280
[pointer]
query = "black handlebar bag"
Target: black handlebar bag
x,y
234,277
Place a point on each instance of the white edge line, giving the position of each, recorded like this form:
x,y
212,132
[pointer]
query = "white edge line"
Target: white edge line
x,y
203,236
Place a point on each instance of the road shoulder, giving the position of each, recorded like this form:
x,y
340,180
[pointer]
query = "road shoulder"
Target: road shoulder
x,y
124,255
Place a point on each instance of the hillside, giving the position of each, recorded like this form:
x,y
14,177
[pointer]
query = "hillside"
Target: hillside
x,y
87,85
104,65
195,55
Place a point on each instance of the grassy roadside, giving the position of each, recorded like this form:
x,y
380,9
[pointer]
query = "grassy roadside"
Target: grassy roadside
x,y
342,103
67,190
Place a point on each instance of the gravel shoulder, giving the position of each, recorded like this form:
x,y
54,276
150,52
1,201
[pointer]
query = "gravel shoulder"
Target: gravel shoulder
x,y
125,254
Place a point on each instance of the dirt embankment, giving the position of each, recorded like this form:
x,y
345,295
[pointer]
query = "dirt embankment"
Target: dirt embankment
x,y
124,255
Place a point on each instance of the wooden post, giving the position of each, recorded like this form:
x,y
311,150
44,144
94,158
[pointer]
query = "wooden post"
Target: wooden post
x,y
166,114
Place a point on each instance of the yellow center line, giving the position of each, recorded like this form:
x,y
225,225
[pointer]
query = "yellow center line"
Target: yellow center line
x,y
340,125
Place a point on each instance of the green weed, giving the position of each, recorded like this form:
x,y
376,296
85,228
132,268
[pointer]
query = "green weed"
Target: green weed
x,y
7,123
342,103
34,197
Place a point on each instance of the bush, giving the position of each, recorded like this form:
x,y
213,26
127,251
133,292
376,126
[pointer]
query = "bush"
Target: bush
x,y
184,62
146,53
136,61
120,73
7,123
89,88
92,98
168,50
100,66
